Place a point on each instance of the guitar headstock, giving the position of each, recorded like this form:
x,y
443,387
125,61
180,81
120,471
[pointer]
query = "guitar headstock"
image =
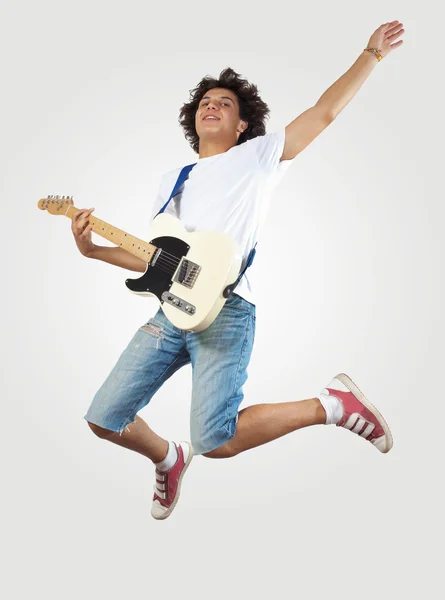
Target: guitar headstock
x,y
56,205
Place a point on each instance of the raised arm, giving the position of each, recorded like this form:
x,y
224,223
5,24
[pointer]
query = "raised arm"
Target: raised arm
x,y
306,127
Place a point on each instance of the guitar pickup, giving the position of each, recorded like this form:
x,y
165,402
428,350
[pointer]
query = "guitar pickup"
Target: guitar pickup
x,y
187,273
155,257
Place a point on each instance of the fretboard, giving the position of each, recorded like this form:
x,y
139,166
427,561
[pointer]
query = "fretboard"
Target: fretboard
x,y
128,242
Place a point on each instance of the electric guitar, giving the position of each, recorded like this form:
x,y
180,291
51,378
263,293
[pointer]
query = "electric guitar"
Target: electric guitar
x,y
191,274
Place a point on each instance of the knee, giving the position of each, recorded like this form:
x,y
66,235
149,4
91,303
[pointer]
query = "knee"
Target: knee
x,y
100,431
227,450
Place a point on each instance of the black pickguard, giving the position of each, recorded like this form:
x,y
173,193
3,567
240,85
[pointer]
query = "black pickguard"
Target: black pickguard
x,y
158,278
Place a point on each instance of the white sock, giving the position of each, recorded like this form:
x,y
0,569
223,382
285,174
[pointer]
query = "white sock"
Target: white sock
x,y
170,458
332,406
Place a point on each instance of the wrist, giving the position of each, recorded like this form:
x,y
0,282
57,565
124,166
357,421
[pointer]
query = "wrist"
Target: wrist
x,y
373,53
92,252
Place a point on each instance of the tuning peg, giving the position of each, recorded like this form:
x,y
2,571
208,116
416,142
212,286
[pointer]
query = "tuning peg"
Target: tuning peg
x,y
58,197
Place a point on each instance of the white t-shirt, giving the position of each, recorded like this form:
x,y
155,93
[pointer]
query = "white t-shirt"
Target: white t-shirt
x,y
229,192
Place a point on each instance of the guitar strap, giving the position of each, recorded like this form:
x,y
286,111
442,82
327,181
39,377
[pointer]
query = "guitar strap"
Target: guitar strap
x,y
183,175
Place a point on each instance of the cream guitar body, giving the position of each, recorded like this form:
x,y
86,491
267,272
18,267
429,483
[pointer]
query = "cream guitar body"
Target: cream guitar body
x,y
187,272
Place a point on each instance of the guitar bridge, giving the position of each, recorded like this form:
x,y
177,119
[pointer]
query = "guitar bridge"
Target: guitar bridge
x,y
187,273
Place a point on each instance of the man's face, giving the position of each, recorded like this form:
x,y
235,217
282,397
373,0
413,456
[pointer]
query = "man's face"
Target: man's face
x,y
218,115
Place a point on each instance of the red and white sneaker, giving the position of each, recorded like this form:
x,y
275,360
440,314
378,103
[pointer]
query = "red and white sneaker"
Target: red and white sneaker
x,y
359,415
168,483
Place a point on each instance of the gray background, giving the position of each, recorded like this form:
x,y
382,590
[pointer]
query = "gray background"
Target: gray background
x,y
90,100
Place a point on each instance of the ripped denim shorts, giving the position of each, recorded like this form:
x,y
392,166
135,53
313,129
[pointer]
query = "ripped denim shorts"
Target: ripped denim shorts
x,y
219,356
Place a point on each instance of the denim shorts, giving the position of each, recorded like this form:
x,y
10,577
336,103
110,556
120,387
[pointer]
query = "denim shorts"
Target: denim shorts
x,y
219,356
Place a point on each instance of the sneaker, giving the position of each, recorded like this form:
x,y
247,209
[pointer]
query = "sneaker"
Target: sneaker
x,y
168,483
359,415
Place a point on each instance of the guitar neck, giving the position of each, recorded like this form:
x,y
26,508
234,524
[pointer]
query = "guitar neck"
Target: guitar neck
x,y
130,243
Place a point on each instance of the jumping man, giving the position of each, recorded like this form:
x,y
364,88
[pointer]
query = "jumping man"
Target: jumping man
x,y
228,190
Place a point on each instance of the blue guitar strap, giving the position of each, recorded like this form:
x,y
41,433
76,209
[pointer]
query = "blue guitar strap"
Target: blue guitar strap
x,y
229,289
183,175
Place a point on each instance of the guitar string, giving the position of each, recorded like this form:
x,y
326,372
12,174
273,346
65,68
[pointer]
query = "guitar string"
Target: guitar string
x,y
161,268
171,257
190,278
166,263
173,260
176,260
168,260
165,253
161,259
167,268
190,281
168,254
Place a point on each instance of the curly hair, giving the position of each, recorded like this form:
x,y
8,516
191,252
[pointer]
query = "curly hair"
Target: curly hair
x,y
251,108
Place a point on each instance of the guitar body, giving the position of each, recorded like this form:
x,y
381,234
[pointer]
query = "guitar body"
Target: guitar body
x,y
188,272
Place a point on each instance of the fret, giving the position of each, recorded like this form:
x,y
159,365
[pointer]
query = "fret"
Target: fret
x,y
128,242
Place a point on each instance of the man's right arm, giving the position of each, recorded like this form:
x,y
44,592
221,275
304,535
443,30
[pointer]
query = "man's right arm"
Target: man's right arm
x,y
81,229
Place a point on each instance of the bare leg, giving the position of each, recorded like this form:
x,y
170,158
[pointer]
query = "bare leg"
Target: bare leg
x,y
263,423
137,437
256,425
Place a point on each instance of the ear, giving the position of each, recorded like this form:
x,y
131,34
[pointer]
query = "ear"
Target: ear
x,y
243,126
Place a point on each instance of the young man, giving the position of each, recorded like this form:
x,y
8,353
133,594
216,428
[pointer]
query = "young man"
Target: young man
x,y
228,190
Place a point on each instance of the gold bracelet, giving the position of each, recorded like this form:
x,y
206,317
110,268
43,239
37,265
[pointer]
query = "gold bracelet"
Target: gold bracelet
x,y
375,52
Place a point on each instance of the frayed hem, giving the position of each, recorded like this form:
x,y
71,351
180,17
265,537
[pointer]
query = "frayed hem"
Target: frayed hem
x,y
120,430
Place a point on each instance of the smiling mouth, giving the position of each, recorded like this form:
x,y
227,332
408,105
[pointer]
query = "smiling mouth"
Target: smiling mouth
x,y
210,119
